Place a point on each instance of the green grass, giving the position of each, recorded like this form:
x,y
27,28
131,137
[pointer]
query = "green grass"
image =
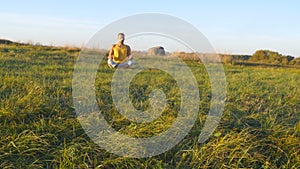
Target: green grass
x,y
260,127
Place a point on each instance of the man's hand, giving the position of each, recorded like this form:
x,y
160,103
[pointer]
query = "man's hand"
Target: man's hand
x,y
130,57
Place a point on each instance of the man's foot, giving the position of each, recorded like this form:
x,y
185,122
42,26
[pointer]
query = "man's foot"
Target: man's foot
x,y
110,66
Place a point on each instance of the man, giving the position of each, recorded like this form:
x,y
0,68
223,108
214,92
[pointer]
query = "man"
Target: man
x,y
118,54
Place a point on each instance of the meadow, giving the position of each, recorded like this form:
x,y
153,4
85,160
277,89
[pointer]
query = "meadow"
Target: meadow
x,y
260,127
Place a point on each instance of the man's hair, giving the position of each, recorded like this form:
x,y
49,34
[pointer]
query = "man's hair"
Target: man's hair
x,y
121,34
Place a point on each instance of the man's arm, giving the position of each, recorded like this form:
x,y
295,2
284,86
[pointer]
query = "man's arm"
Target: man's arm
x,y
129,52
111,52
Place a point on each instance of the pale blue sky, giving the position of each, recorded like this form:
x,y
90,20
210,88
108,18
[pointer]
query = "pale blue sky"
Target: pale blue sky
x,y
237,27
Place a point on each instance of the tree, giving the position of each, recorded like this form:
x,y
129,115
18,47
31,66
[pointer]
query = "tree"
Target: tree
x,y
267,56
290,58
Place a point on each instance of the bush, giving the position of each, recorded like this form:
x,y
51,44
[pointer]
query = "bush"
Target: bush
x,y
267,56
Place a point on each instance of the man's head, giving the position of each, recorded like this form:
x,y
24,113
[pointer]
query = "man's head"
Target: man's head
x,y
121,37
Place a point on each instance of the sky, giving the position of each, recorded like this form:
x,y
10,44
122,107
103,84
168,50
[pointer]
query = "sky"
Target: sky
x,y
233,27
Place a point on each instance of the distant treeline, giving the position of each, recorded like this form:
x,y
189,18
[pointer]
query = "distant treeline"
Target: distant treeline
x,y
259,57
4,41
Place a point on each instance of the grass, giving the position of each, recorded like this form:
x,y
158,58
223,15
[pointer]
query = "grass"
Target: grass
x,y
260,127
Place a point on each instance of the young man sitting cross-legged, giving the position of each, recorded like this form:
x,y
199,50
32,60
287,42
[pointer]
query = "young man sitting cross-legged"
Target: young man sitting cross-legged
x,y
119,53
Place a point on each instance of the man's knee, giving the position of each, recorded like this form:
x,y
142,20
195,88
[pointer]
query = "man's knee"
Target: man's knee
x,y
130,62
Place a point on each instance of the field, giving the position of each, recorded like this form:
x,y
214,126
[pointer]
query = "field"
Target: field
x,y
260,127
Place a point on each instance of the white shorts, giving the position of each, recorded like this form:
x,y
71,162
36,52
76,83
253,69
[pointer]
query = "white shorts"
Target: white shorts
x,y
113,64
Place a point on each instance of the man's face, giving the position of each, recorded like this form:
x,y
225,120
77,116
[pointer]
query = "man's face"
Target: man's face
x,y
121,38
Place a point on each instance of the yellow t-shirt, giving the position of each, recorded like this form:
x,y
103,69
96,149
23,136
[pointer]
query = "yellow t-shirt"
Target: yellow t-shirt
x,y
120,53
